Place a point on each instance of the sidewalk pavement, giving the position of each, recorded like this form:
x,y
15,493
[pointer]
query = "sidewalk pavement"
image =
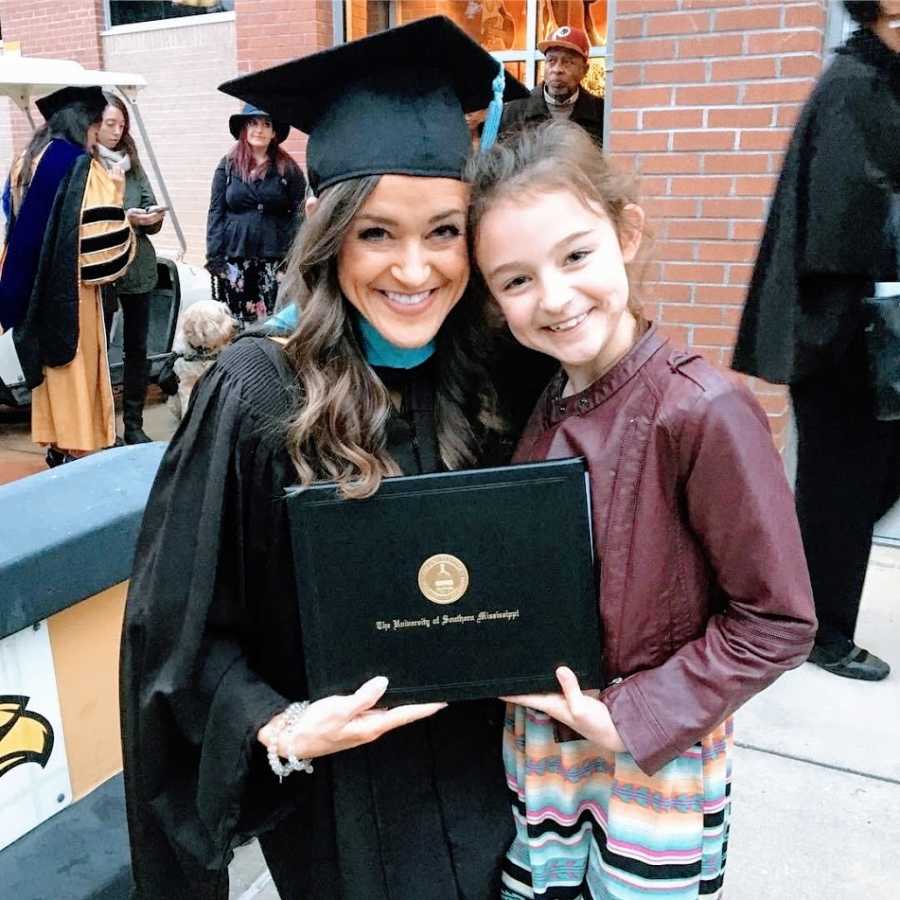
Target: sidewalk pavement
x,y
816,793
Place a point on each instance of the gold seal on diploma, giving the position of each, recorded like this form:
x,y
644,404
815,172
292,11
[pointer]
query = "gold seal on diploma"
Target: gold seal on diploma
x,y
443,578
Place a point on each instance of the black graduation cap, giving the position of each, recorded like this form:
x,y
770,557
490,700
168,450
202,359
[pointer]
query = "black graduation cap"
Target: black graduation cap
x,y
91,97
392,102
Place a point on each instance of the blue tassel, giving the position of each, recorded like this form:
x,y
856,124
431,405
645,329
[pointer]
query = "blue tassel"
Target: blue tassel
x,y
495,111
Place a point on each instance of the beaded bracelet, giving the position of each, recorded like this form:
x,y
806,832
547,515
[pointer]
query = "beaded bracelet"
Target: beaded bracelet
x,y
291,718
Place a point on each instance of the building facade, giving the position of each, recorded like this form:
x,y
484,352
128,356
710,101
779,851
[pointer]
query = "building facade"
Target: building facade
x,y
701,96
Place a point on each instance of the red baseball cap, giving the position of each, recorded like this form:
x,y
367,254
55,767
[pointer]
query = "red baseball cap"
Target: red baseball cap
x,y
570,38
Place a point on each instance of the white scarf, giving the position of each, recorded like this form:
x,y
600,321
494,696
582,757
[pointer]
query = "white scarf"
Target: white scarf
x,y
111,158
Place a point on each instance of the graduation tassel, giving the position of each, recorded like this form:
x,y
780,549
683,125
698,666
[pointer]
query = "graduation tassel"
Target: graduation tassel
x,y
495,111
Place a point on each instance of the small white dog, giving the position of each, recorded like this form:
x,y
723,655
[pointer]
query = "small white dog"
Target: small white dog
x,y
204,329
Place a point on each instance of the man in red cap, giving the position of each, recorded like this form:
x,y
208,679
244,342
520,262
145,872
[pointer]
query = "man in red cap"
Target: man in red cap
x,y
560,94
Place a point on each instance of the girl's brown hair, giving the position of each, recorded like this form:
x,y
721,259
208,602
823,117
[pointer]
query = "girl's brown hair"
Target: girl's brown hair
x,y
339,431
556,156
126,142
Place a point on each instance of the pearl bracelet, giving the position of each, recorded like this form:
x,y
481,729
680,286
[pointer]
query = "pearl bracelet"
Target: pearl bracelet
x,y
291,718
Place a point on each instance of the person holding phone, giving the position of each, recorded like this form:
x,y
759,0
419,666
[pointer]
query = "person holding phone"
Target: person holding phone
x,y
116,150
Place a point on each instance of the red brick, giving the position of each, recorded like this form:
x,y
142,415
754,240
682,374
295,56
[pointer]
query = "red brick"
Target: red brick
x,y
700,186
755,185
629,75
719,293
785,42
642,7
672,118
746,231
799,66
771,139
677,23
778,91
673,73
798,16
678,334
689,314
639,141
694,273
735,163
744,69
675,250
788,115
739,274
641,97
704,4
716,337
670,291
710,45
705,95
740,117
671,163
666,207
631,51
754,19
726,251
697,228
629,26
703,140
624,120
733,208
654,186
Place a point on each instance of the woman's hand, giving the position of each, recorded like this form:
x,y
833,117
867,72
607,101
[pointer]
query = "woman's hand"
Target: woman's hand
x,y
338,723
581,712
140,217
117,174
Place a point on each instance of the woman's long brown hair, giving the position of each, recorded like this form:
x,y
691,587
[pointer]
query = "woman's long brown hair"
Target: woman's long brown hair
x,y
339,431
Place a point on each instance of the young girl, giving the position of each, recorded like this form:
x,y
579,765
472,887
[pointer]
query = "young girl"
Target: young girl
x,y
704,594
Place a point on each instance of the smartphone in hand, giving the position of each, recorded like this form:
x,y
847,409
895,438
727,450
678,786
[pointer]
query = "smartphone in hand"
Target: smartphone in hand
x,y
156,209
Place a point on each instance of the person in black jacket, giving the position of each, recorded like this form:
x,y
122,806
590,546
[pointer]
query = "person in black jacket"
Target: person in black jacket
x,y
254,211
560,95
826,241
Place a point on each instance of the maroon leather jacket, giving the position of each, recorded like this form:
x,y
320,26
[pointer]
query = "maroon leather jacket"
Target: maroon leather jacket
x,y
704,592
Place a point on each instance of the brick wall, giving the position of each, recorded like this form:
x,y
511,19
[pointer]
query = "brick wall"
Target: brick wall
x,y
186,117
704,96
270,32
48,28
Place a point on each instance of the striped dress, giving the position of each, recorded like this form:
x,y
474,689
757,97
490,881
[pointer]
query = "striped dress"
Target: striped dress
x,y
590,825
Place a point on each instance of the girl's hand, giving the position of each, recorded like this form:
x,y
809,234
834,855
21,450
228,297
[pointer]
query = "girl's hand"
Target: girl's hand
x,y
581,712
117,173
338,723
138,216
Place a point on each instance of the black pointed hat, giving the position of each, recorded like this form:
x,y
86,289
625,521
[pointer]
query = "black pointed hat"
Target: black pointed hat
x,y
392,102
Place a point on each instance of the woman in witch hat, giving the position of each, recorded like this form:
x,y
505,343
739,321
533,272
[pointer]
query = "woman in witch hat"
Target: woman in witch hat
x,y
254,210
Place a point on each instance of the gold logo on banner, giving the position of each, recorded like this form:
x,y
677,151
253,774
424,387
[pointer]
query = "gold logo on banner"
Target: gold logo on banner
x,y
443,578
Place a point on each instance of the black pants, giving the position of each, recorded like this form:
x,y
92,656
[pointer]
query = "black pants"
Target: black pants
x,y
848,477
135,324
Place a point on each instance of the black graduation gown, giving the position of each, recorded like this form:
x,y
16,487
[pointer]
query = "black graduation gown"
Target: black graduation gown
x,y
211,651
828,234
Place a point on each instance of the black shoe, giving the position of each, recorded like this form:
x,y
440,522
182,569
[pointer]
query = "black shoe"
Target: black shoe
x,y
55,457
136,436
858,664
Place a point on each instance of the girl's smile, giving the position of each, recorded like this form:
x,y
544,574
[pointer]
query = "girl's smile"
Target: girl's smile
x,y
556,267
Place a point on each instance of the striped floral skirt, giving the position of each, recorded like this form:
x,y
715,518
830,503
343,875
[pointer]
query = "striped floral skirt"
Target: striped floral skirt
x,y
590,825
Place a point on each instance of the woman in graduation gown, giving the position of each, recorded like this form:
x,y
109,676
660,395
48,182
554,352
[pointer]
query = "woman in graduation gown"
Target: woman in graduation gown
x,y
384,375
68,235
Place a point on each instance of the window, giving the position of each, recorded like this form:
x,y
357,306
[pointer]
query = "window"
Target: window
x,y
510,29
132,12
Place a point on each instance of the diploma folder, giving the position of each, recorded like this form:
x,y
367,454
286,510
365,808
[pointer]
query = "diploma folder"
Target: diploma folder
x,y
456,585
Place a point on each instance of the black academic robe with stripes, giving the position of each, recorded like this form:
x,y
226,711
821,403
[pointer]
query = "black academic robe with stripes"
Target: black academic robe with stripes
x,y
212,649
